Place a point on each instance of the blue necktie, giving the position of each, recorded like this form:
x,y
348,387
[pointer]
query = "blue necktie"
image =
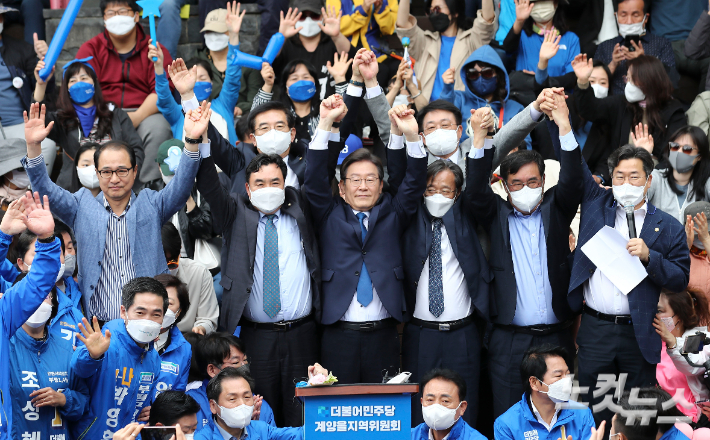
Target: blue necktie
x,y
364,284
271,286
436,283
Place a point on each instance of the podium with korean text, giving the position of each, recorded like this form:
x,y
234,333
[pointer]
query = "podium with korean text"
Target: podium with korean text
x,y
358,411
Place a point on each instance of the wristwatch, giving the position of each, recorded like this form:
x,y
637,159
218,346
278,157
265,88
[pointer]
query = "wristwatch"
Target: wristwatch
x,y
192,141
357,83
46,240
336,124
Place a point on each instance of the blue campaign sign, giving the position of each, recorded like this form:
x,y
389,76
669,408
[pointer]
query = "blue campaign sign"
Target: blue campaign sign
x,y
358,417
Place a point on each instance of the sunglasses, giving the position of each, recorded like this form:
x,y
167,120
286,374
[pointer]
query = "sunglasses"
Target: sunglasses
x,y
687,149
473,74
311,14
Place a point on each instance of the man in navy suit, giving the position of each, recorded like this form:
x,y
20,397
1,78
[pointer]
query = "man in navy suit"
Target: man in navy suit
x,y
361,258
616,334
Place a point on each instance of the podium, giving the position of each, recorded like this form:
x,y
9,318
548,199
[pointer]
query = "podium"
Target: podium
x,y
358,411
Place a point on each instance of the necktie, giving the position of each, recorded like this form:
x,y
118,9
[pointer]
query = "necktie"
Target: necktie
x,y
364,284
271,286
436,283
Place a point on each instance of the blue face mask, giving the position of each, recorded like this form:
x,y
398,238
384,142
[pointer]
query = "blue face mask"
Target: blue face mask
x,y
483,86
302,91
203,90
81,92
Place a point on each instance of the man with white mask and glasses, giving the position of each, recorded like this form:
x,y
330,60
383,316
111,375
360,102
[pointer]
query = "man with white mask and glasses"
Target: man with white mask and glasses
x,y
529,249
270,269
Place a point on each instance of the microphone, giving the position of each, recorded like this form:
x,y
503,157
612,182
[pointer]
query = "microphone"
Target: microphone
x,y
630,220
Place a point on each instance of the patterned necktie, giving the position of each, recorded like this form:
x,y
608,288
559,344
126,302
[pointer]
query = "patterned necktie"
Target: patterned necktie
x,y
364,284
436,283
271,286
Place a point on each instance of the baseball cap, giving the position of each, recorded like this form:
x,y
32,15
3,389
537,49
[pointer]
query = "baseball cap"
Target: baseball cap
x,y
12,151
696,208
308,5
216,21
169,154
352,143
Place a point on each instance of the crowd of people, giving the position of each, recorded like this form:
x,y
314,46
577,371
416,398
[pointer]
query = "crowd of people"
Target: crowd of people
x,y
514,210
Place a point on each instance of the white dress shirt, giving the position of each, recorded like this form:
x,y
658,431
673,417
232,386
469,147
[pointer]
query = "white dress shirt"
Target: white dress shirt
x,y
457,301
600,293
291,178
540,419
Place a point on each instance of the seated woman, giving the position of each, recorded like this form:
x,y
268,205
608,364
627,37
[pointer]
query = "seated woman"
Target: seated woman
x,y
84,173
647,100
681,315
83,116
696,230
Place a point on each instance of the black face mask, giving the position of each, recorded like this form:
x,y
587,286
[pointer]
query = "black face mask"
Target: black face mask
x,y
440,22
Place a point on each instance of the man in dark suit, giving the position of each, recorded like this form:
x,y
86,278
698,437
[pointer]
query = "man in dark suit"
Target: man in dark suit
x,y
529,248
616,334
359,235
270,271
446,285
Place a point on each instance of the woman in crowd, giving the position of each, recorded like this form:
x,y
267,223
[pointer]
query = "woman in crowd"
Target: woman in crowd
x,y
404,89
297,91
696,229
83,116
84,173
686,176
647,100
681,315
175,352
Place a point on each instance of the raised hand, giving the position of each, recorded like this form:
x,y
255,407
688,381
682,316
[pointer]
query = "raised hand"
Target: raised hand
x,y
550,45
369,67
287,25
405,122
47,397
630,55
332,109
481,121
183,78
35,131
617,56
199,329
40,46
267,73
523,8
642,138
357,62
545,101
701,228
234,18
131,431
449,76
339,67
689,230
96,343
197,121
39,219
583,68
40,66
14,220
258,400
156,52
560,114
331,18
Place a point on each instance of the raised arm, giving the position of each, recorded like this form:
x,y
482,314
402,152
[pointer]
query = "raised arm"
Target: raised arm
x,y
480,199
222,205
406,201
171,110
590,107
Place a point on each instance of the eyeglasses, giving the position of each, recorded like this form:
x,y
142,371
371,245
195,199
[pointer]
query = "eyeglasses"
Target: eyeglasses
x,y
444,192
121,172
174,264
122,11
620,180
265,129
356,181
473,74
687,149
532,184
444,126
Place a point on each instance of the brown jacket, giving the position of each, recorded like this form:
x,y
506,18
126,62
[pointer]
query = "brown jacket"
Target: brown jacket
x,y
424,47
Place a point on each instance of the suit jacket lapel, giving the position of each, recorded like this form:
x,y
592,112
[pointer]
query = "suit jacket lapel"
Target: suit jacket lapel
x,y
251,220
505,210
652,226
371,221
104,216
451,219
354,222
545,209
610,215
131,218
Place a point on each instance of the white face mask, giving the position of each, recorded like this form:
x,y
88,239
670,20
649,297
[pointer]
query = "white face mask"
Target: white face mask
x,y
633,93
238,417
61,272
167,179
310,27
400,100
40,316
441,142
600,91
668,322
526,198
120,24
560,391
143,330
173,272
268,199
216,42
169,319
88,176
438,417
274,142
438,205
631,29
19,178
189,436
628,194
543,11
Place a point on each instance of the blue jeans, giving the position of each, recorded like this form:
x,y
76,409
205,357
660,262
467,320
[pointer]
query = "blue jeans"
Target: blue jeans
x,y
30,16
169,25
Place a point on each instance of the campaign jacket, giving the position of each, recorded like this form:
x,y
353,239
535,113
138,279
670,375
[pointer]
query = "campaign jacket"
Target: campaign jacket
x,y
18,303
122,383
460,431
71,290
174,363
519,422
256,430
37,364
65,324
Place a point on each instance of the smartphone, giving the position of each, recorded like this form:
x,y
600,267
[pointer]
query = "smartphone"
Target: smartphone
x,y
704,402
628,39
158,432
693,343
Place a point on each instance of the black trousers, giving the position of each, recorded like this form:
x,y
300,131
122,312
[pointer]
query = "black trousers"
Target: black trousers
x,y
424,349
357,356
277,360
608,348
506,349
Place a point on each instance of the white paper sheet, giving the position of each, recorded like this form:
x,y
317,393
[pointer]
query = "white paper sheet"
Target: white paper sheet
x,y
607,250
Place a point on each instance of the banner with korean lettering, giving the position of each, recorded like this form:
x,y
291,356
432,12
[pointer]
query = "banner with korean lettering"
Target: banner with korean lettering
x,y
358,417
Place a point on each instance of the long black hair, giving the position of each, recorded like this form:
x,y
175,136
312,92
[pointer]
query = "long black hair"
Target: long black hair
x,y
75,184
283,95
701,171
457,10
558,21
650,76
66,115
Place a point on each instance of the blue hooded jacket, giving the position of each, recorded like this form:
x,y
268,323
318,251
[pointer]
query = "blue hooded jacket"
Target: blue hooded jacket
x,y
122,383
17,304
460,431
466,100
174,363
674,434
519,422
66,324
35,365
256,430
